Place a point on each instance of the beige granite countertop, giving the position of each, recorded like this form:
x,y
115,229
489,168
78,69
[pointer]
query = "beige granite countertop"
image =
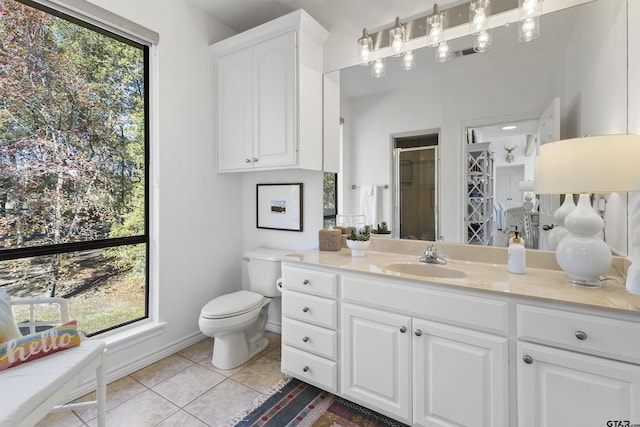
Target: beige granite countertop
x,y
485,270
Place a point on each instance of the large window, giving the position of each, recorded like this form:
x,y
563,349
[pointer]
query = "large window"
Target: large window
x,y
73,165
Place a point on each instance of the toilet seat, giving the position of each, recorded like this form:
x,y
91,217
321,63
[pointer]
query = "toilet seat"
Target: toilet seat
x,y
232,304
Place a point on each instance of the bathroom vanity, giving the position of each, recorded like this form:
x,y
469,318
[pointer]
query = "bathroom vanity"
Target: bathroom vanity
x,y
428,347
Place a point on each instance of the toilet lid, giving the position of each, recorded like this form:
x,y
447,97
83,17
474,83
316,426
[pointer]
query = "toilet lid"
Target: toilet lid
x,y
232,304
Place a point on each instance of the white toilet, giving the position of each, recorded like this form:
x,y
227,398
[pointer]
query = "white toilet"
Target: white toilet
x,y
237,320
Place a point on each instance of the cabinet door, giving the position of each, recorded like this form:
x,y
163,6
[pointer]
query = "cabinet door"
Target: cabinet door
x,y
376,360
235,110
275,131
563,388
460,376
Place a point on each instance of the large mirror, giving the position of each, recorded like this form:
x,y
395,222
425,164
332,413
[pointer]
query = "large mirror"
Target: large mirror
x,y
576,71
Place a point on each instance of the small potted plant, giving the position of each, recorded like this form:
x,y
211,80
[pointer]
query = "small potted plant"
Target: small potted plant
x,y
382,230
359,241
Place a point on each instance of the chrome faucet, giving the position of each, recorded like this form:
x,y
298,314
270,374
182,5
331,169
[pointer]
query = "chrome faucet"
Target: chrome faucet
x,y
431,257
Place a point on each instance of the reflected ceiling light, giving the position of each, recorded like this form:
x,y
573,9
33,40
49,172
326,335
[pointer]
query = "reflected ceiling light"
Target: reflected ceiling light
x,y
508,127
396,36
365,47
435,25
443,53
377,69
408,61
529,25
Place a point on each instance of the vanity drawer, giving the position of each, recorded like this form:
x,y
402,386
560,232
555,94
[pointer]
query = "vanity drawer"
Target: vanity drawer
x,y
310,281
315,339
310,368
309,308
618,339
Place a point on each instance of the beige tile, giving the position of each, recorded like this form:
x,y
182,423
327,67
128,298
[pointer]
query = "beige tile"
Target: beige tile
x,y
199,352
261,374
60,419
166,368
226,372
117,392
187,385
224,401
145,409
275,346
182,419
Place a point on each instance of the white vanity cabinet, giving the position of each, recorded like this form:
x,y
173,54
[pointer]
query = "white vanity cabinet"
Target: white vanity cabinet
x,y
309,326
269,96
576,368
423,372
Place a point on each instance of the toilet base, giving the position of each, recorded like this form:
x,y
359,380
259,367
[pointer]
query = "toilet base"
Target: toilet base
x,y
231,351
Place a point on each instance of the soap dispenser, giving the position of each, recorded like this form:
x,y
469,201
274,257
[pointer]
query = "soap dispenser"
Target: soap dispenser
x,y
517,254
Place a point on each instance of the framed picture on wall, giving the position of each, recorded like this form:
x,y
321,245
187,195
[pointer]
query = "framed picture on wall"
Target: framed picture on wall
x,y
279,206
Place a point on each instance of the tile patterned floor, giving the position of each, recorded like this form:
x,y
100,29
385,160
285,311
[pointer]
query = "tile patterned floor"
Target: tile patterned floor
x,y
184,389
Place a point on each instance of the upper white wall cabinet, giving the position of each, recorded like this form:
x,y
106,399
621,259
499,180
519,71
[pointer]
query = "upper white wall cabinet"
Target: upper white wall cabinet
x,y
269,96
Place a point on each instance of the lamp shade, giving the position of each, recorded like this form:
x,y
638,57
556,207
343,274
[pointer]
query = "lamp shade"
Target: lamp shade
x,y
599,164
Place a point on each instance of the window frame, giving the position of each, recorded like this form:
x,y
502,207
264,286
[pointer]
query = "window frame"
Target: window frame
x,y
145,41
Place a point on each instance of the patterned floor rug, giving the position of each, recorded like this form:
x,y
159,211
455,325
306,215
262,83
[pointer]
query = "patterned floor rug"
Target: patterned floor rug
x,y
303,405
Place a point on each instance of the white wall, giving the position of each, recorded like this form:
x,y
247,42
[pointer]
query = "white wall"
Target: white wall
x,y
196,212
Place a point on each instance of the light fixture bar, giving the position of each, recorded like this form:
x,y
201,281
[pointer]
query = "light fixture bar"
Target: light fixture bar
x,y
503,12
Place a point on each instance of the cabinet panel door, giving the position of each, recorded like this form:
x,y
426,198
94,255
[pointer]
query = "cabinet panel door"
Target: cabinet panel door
x,y
460,376
275,103
235,110
562,388
376,360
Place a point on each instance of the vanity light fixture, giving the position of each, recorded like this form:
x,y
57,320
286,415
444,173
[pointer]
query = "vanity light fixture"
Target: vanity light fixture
x,y
365,47
600,164
397,35
529,25
377,69
408,61
443,53
435,25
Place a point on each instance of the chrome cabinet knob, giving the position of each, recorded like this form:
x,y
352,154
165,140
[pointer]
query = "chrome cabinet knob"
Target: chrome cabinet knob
x,y
305,309
305,369
247,160
305,282
305,339
581,335
418,332
254,160
403,329
527,359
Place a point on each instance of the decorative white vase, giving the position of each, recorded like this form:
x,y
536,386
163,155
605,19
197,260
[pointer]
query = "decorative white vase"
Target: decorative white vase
x,y
358,246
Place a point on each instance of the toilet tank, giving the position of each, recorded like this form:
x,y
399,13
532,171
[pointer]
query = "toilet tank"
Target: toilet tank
x,y
263,266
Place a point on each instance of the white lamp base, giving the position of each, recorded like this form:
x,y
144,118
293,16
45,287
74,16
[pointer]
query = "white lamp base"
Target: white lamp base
x,y
582,254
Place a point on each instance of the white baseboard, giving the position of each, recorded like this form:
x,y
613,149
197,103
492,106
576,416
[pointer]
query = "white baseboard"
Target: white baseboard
x,y
274,327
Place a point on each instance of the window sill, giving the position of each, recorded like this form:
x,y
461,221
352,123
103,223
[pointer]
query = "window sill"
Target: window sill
x,y
132,336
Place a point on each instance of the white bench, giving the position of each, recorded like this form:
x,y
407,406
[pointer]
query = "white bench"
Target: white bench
x,y
28,392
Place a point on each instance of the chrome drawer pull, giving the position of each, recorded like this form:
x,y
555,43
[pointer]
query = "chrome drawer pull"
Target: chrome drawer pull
x,y
305,369
418,332
581,335
403,329
305,309
305,339
527,359
305,282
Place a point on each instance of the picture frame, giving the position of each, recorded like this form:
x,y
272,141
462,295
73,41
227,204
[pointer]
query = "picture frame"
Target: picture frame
x,y
279,206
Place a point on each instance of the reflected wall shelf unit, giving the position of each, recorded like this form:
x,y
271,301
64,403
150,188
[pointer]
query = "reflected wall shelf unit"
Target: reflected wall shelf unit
x,y
479,215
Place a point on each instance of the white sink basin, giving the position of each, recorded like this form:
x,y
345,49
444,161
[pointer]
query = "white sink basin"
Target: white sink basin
x,y
425,270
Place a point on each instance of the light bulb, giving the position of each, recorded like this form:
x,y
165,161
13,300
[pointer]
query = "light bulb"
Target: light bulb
x,y
529,27
377,69
479,11
365,44
396,44
365,53
442,52
396,34
408,61
482,42
529,30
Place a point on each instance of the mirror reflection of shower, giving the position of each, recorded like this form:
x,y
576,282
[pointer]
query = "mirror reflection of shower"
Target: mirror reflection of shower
x,y
415,186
